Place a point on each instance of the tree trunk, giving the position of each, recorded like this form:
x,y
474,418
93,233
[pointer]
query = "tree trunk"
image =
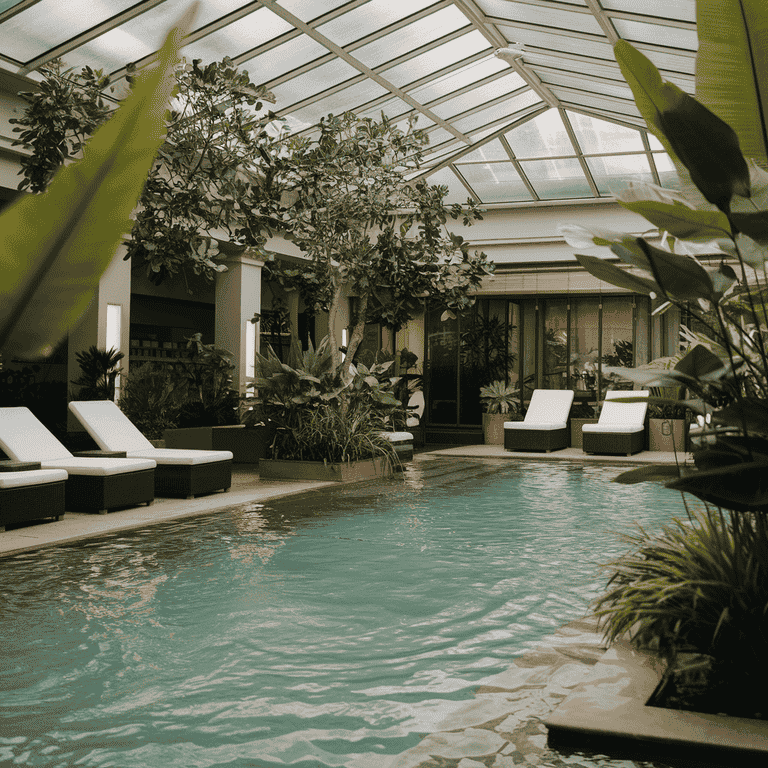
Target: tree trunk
x,y
333,314
358,330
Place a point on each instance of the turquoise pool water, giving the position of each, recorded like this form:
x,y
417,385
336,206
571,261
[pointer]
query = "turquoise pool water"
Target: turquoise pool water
x,y
330,629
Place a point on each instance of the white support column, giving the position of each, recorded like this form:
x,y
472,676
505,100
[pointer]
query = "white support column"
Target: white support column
x,y
238,298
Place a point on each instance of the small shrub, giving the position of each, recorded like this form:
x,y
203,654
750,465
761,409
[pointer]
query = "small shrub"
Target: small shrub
x,y
150,400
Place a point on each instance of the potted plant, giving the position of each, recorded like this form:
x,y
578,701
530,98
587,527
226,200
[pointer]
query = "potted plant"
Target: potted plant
x,y
667,428
501,402
329,421
581,414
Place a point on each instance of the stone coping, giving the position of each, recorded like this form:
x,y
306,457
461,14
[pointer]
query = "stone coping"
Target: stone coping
x,y
611,702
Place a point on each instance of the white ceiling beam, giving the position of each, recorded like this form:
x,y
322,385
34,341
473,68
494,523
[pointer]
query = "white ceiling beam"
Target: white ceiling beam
x,y
604,22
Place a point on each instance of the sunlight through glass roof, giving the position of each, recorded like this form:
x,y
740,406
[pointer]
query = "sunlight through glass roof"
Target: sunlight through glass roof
x,y
550,120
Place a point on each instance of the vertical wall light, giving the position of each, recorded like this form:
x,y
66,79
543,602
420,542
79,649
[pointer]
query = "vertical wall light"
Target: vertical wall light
x,y
250,354
114,329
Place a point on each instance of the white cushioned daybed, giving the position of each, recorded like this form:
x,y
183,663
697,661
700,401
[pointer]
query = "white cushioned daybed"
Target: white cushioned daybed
x,y
620,428
30,494
545,427
93,484
179,472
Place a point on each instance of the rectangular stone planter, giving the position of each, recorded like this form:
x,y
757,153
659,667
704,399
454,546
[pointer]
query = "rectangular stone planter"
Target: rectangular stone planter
x,y
493,428
576,425
667,435
368,469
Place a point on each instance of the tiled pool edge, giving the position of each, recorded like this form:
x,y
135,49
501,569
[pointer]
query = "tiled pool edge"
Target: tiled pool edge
x,y
610,703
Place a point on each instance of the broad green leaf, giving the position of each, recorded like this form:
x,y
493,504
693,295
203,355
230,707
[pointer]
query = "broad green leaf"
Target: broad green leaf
x,y
680,220
708,147
748,411
699,362
731,76
755,225
54,247
722,277
651,378
658,472
610,273
741,487
628,249
679,276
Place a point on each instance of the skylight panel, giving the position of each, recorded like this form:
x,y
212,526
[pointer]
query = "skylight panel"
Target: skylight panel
x,y
551,41
372,17
393,107
410,37
437,58
605,104
658,34
598,136
495,182
338,102
541,15
460,78
307,10
284,58
613,174
313,82
654,142
490,151
619,89
505,110
457,192
666,170
479,95
564,64
684,10
49,23
672,62
543,136
557,179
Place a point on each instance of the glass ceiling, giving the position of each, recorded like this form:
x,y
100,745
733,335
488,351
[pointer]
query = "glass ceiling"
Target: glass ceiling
x,y
551,120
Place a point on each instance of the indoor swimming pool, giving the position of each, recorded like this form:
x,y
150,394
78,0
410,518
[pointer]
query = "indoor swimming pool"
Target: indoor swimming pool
x,y
331,629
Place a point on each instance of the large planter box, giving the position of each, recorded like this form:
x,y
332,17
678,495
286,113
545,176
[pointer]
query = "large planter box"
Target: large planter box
x,y
493,428
368,469
248,444
667,435
576,425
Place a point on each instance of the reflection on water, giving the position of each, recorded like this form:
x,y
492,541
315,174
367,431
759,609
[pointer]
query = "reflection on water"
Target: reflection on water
x,y
328,629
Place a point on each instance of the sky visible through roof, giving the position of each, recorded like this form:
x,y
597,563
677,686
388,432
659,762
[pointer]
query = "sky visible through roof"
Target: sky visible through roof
x,y
552,121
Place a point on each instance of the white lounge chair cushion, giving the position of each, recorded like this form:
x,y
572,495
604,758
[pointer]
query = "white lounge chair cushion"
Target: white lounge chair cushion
x,y
180,456
98,467
622,417
609,429
109,426
31,478
24,438
397,437
543,426
548,406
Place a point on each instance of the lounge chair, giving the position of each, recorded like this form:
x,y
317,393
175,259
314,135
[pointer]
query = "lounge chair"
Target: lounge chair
x,y
179,472
93,484
545,427
29,493
620,428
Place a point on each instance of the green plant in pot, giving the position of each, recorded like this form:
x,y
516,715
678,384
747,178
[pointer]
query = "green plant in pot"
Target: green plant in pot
x,y
697,592
98,373
500,402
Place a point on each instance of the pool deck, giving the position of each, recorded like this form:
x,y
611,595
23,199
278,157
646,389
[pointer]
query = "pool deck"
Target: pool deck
x,y
505,725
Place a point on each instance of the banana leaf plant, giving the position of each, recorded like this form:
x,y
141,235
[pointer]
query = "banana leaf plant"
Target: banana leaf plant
x,y
715,245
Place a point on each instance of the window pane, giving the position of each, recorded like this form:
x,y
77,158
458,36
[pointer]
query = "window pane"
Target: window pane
x,y
622,108
617,339
404,40
557,179
658,34
549,41
338,102
284,58
477,96
579,82
490,151
313,82
584,336
613,174
495,182
307,10
597,136
506,109
457,192
443,359
371,17
544,136
673,62
666,169
436,58
441,86
556,344
684,10
539,14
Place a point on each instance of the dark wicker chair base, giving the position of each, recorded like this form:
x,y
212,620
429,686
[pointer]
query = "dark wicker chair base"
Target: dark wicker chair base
x,y
535,439
93,493
613,443
31,502
187,480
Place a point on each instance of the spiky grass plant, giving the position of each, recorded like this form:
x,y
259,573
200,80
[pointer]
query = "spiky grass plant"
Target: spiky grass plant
x,y
697,594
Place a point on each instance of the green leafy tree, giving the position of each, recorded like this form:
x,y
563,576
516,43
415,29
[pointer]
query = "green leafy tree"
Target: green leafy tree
x,y
204,172
343,197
